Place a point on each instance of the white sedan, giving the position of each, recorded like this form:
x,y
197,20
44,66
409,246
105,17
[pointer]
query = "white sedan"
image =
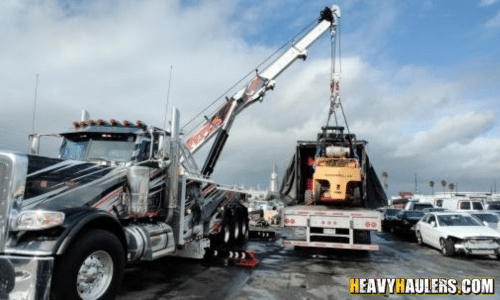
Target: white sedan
x,y
453,232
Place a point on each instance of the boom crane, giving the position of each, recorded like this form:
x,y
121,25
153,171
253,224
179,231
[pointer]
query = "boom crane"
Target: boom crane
x,y
221,121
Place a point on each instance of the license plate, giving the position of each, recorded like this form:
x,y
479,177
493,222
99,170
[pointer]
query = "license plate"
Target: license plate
x,y
329,231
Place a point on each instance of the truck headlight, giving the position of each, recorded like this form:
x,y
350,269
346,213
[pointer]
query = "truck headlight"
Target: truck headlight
x,y
36,220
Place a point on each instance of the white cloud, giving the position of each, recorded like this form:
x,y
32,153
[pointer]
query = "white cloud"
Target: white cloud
x,y
459,129
487,2
115,62
494,23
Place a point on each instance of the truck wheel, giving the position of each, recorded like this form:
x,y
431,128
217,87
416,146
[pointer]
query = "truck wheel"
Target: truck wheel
x,y
224,237
447,247
243,223
91,269
236,226
7,278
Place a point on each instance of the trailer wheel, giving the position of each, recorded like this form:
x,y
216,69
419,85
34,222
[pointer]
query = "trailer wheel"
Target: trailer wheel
x,y
91,269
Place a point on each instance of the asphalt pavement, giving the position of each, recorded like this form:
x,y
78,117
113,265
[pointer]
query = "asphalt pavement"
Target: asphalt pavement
x,y
289,273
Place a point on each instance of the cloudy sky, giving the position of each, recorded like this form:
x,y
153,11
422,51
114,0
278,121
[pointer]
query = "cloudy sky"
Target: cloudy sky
x,y
420,79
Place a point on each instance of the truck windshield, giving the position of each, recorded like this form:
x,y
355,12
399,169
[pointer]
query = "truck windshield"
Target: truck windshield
x,y
118,148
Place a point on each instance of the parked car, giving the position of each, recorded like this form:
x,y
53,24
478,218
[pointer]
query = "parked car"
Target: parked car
x,y
434,209
256,205
404,222
487,218
416,205
493,206
276,204
453,232
388,214
460,204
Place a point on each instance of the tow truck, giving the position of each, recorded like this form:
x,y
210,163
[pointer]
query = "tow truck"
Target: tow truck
x,y
120,193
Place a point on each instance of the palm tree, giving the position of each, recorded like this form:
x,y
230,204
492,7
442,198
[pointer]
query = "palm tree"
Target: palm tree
x,y
451,186
431,183
443,184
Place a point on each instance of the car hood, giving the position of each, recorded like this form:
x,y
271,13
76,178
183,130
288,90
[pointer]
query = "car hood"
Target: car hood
x,y
470,231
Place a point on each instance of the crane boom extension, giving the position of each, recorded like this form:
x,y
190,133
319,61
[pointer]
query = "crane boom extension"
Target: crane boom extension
x,y
220,122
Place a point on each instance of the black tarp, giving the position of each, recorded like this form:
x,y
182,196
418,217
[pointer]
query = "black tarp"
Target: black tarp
x,y
300,171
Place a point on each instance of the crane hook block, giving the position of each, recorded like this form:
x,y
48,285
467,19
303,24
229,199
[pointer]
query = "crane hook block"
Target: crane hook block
x,y
326,14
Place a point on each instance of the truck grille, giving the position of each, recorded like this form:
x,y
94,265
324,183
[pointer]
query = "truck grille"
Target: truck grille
x,y
13,172
4,202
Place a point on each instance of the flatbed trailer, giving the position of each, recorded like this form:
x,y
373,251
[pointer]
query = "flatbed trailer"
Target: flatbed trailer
x,y
324,227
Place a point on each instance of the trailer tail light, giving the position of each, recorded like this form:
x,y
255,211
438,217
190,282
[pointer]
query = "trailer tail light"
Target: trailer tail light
x,y
294,220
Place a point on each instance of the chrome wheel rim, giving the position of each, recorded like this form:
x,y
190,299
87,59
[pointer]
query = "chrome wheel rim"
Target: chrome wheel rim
x,y
227,233
95,275
244,228
237,230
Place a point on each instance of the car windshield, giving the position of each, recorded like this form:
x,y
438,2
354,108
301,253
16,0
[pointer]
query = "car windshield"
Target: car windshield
x,y
414,214
391,212
434,209
103,146
457,220
494,206
487,218
422,206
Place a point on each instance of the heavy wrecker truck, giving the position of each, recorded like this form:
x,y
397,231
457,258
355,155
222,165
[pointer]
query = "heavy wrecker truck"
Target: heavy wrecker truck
x,y
120,193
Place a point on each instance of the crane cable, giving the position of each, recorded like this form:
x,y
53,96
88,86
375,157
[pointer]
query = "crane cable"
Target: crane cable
x,y
335,101
244,77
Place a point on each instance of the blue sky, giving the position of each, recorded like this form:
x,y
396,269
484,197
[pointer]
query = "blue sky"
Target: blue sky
x,y
419,78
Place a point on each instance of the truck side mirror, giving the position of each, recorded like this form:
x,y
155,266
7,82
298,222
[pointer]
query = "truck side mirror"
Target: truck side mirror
x,y
162,147
433,224
34,144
